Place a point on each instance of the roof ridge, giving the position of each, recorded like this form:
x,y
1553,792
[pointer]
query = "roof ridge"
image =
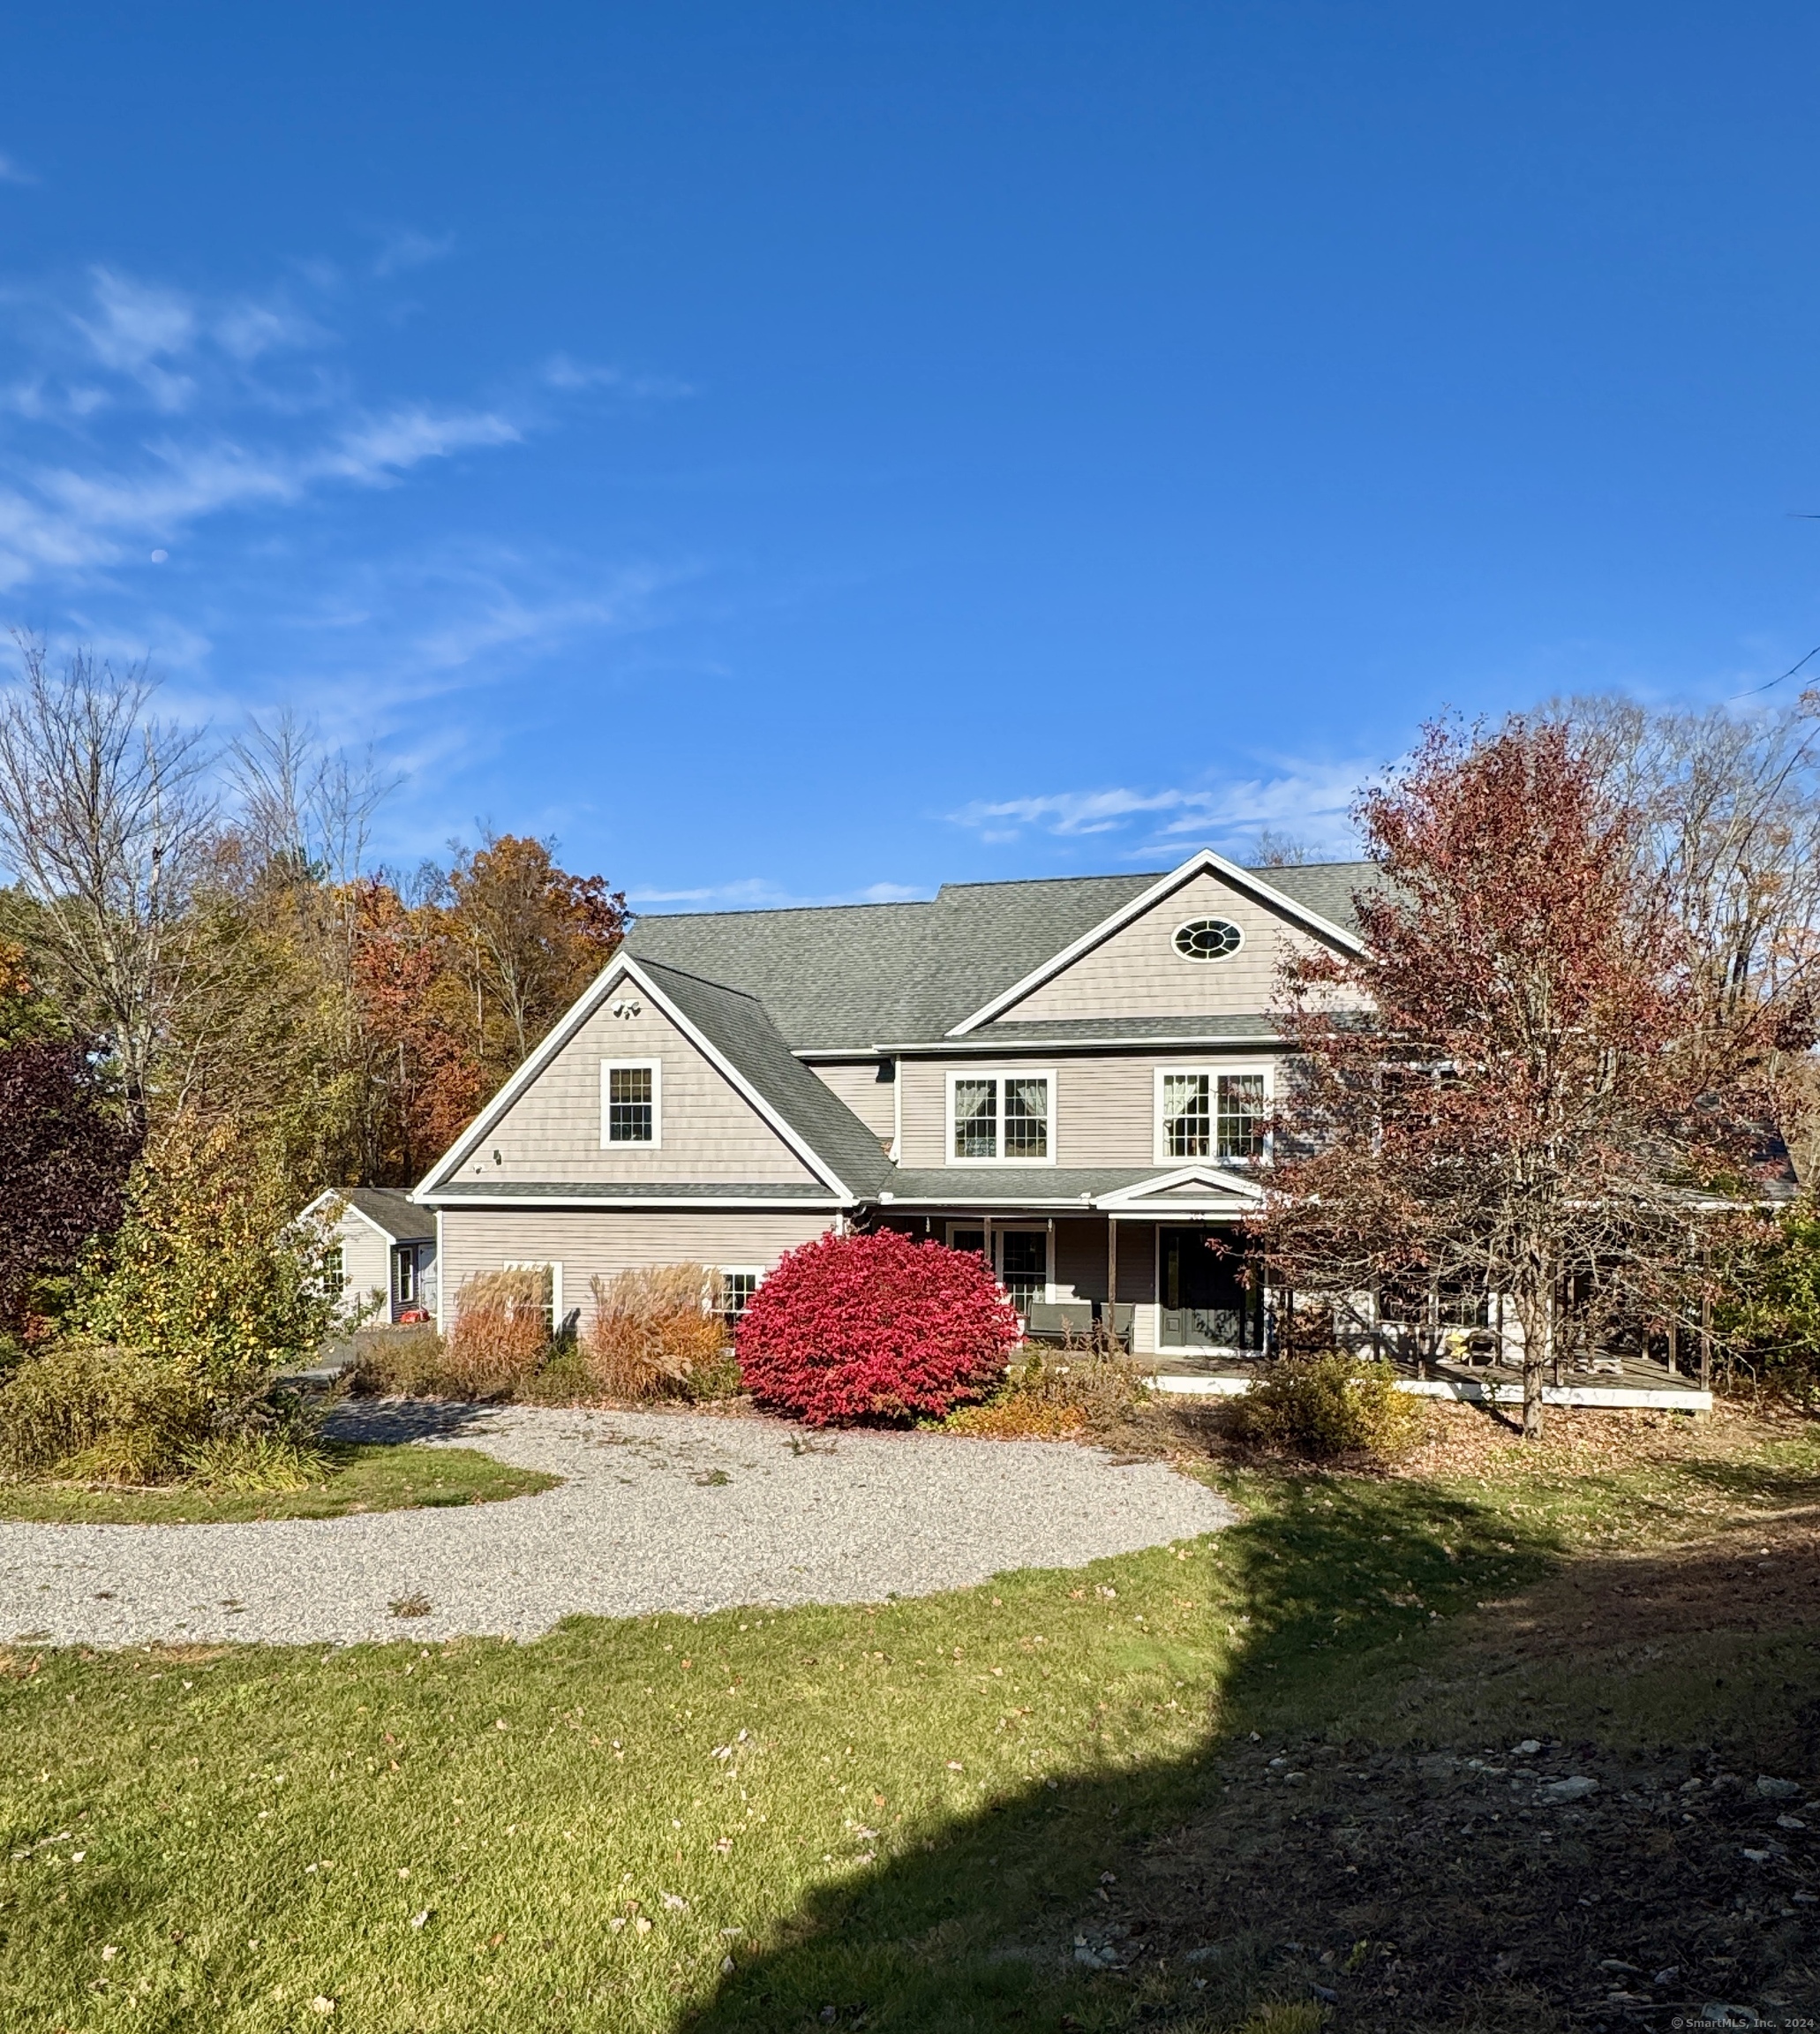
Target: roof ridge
x,y
707,981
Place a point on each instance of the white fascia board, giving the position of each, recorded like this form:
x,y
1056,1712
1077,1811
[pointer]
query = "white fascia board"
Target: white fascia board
x,y
450,1204
335,1194
1198,1042
622,967
1205,863
1229,1187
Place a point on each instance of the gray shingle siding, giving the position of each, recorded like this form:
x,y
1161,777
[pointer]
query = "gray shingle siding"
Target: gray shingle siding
x,y
854,975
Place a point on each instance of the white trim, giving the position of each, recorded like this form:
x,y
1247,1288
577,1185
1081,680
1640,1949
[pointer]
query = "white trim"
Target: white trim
x,y
1206,862
995,1230
340,1194
1213,1076
894,1154
1207,960
1140,1198
441,1282
605,1203
554,1266
655,1068
1001,1074
620,969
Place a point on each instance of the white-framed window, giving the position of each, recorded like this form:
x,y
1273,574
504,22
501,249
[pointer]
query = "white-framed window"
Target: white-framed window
x,y
1002,1118
632,1104
1211,1112
334,1271
549,1304
1019,1257
738,1283
404,1275
1208,939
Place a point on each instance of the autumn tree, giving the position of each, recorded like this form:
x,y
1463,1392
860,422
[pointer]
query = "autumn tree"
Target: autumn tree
x,y
523,937
65,1147
1522,1086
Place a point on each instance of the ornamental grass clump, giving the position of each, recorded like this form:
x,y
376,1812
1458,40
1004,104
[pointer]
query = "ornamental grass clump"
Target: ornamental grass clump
x,y
1328,1406
659,1332
874,1327
501,1334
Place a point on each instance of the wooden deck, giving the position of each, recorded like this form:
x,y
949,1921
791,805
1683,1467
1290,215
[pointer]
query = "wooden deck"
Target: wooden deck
x,y
1636,1383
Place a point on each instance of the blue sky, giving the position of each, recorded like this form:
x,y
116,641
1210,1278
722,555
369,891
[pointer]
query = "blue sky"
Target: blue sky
x,y
814,451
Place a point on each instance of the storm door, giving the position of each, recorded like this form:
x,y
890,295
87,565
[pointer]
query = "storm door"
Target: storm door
x,y
1204,1304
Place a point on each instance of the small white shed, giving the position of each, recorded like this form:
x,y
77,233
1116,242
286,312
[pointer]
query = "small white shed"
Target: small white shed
x,y
387,1246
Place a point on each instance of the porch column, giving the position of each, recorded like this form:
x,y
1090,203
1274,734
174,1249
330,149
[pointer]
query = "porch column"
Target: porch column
x,y
1111,1270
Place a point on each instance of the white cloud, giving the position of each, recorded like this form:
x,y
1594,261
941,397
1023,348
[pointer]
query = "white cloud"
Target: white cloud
x,y
406,248
11,172
574,377
760,893
1308,798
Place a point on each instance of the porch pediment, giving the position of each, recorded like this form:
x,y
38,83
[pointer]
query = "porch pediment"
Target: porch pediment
x,y
1193,1190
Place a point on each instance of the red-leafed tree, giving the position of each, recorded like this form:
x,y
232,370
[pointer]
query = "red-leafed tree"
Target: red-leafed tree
x,y
1525,1086
874,1327
66,1146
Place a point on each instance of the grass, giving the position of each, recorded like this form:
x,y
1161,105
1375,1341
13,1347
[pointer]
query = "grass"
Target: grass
x,y
389,1477
905,1812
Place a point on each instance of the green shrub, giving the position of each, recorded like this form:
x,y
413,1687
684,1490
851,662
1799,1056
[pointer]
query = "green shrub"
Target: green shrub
x,y
91,1412
210,1269
86,1413
1330,1405
1085,1388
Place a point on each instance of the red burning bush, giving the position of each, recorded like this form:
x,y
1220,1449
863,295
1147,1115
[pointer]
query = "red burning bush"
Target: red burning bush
x,y
870,1327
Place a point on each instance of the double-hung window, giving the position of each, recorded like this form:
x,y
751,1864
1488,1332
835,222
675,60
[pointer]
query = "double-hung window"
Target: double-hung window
x,y
1210,1115
1002,1119
632,1103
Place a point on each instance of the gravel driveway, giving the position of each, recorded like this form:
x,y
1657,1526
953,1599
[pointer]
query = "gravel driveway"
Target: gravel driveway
x,y
658,1512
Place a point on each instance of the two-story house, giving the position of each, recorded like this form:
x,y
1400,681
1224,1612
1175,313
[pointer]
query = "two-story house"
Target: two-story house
x,y
1070,1075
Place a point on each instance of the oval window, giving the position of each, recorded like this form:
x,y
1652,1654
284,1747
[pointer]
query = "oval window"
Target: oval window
x,y
1208,939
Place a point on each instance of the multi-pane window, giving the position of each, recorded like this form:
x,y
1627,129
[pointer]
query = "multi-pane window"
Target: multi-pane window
x,y
1210,1115
334,1271
404,1276
736,1290
629,1102
1001,1115
1241,1115
1187,1116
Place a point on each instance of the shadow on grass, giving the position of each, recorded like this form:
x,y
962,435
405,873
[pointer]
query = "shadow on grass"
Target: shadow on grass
x,y
978,1925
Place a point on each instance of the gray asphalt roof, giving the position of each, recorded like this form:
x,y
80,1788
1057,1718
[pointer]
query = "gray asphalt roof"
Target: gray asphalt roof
x,y
394,1211
628,1190
1201,1030
1015,1185
737,1024
853,975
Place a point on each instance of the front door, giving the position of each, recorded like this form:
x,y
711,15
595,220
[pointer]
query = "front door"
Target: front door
x,y
1204,1304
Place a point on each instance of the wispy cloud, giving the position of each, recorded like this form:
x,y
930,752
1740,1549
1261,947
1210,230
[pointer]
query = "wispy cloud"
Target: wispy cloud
x,y
11,172
405,247
1310,799
761,894
574,377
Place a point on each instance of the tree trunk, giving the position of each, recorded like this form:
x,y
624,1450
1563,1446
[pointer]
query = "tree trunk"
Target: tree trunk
x,y
1537,1359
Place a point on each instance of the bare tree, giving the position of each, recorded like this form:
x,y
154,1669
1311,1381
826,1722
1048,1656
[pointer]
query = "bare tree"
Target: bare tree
x,y
105,821
1275,849
303,803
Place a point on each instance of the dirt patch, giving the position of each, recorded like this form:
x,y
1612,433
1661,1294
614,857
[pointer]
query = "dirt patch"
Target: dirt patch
x,y
1467,1440
1597,1805
1761,1576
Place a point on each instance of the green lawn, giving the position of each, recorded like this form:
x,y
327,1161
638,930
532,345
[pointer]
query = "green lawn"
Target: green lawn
x,y
897,1810
391,1477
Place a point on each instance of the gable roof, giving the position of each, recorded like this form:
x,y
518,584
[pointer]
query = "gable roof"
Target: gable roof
x,y
389,1210
730,1027
851,977
1204,863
